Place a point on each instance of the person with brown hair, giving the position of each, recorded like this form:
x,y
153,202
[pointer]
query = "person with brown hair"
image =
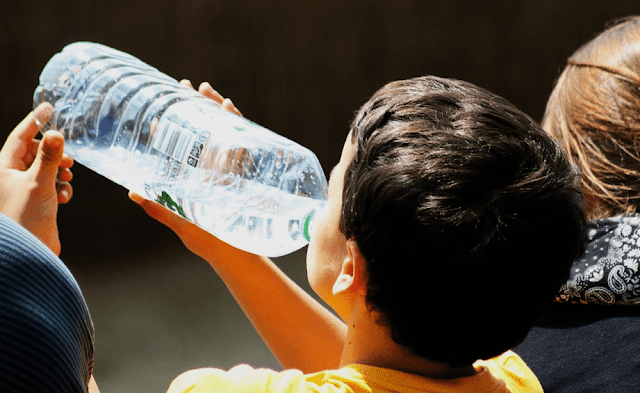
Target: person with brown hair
x,y
588,339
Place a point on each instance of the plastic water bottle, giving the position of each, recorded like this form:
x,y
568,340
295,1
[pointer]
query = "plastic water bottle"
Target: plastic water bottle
x,y
122,118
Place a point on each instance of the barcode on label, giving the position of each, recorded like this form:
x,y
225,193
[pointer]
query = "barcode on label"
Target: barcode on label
x,y
174,138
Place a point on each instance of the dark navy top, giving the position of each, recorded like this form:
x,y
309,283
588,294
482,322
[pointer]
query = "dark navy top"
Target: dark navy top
x,y
588,340
46,332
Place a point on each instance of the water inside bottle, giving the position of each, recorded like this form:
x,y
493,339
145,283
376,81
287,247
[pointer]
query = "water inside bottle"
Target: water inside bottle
x,y
140,128
239,211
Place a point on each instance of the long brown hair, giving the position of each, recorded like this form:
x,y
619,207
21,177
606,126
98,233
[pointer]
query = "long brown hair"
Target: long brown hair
x,y
594,111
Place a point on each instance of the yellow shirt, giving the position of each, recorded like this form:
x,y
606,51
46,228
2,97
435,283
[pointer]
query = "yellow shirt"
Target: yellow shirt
x,y
505,373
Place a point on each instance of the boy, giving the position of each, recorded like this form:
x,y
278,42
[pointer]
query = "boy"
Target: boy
x,y
452,219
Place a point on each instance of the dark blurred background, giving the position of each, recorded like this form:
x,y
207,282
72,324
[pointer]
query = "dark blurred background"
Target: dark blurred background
x,y
298,68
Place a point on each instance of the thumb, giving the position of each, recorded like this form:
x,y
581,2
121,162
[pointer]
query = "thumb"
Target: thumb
x,y
49,156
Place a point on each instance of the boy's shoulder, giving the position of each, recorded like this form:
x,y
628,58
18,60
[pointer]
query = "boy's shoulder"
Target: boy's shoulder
x,y
505,373
510,368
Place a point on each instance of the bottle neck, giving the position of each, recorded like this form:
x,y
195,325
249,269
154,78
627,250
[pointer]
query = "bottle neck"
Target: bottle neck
x,y
308,225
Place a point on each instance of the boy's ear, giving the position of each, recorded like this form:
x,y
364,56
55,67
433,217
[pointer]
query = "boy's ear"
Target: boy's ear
x,y
352,275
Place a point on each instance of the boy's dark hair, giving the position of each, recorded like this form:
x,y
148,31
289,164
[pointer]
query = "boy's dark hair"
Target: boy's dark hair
x,y
468,214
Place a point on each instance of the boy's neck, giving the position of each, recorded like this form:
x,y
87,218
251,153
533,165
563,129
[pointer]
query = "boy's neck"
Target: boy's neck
x,y
369,343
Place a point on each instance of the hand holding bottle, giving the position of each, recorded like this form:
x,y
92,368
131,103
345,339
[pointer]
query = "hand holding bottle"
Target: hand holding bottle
x,y
35,176
206,90
196,239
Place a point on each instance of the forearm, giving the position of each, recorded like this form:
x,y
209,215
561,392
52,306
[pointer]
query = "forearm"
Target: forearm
x,y
301,332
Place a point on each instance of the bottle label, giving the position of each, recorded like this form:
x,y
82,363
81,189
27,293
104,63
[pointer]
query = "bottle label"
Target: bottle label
x,y
194,154
180,143
165,200
178,139
175,138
